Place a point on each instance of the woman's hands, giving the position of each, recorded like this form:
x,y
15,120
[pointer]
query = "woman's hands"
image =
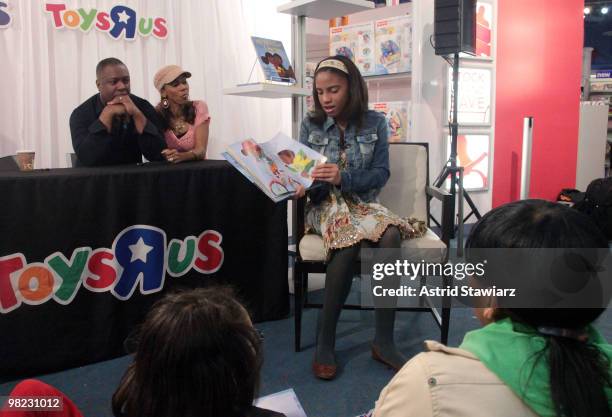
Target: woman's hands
x,y
327,173
174,156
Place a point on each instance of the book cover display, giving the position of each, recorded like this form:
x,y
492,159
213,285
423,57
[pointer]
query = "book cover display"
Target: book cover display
x,y
393,45
475,88
276,166
398,121
473,155
355,42
309,83
484,35
274,61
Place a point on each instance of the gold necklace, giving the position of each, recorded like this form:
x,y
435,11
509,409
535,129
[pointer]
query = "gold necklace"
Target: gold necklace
x,y
178,127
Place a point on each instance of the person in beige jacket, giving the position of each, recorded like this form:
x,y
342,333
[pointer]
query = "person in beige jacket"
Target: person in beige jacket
x,y
524,362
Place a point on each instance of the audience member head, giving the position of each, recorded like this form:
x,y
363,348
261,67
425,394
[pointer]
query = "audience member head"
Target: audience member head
x,y
198,355
574,362
339,91
112,79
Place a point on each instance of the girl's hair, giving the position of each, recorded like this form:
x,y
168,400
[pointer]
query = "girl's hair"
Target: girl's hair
x,y
357,103
579,371
198,355
187,111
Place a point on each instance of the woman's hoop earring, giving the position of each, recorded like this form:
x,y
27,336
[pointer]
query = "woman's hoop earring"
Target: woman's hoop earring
x,y
165,103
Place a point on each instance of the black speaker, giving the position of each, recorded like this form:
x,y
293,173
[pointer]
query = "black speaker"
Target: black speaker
x,y
454,26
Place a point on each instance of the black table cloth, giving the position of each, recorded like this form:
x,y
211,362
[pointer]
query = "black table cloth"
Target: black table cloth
x,y
84,252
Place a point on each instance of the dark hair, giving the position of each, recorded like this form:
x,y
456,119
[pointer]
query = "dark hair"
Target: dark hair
x,y
266,58
187,110
105,63
197,356
574,365
357,103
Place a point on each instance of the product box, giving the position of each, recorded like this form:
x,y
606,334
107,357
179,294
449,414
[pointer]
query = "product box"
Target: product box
x,y
355,42
393,51
398,119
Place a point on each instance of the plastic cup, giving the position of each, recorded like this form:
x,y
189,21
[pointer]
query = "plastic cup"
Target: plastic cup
x,y
25,160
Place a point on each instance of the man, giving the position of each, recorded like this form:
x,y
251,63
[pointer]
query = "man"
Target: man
x,y
115,127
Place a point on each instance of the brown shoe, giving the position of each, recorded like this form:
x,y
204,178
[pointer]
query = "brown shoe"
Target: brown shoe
x,y
377,356
321,371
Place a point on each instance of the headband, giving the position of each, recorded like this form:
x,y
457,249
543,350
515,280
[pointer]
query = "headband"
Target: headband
x,y
333,63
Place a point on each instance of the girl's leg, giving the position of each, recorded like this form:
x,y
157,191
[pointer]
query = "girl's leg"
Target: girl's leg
x,y
337,286
384,343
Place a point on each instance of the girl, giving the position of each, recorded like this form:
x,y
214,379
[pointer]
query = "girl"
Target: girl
x,y
524,361
345,212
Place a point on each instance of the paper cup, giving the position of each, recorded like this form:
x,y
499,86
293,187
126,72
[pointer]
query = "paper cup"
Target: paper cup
x,y
25,160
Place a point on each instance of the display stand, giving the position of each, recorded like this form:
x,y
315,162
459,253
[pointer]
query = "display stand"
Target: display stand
x,y
324,9
266,89
600,89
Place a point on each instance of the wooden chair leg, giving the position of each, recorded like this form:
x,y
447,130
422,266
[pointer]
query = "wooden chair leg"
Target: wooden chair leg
x,y
298,289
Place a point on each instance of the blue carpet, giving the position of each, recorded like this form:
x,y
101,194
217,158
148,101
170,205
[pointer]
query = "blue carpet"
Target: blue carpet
x,y
354,391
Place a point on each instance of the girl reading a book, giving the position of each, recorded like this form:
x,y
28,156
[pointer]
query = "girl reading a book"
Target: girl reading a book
x,y
346,212
525,361
185,123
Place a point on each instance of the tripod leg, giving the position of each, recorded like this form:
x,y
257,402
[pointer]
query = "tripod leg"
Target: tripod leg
x,y
470,202
442,177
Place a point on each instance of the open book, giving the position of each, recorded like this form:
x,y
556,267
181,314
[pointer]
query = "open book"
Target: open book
x,y
275,166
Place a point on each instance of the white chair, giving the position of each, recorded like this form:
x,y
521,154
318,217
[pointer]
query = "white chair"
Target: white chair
x,y
407,194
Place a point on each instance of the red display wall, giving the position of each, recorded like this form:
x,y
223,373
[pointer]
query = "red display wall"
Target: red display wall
x,y
539,60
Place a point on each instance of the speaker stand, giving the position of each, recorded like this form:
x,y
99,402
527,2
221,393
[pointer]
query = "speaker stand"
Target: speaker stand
x,y
455,172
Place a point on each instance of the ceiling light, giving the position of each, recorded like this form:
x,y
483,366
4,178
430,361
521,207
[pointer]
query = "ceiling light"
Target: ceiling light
x,y
604,10
587,10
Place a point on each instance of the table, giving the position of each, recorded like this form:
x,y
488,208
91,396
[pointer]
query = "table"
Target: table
x,y
84,252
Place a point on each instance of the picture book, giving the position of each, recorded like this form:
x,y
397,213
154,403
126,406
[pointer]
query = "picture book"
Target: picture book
x,y
393,49
355,42
276,166
398,120
274,61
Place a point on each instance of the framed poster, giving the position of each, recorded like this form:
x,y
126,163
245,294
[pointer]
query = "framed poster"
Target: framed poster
x,y
473,151
485,26
475,85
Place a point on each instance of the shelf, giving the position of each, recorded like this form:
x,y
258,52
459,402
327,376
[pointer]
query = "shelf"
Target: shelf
x,y
388,77
324,9
263,90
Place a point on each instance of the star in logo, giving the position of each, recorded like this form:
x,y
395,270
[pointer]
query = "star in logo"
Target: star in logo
x,y
123,17
140,251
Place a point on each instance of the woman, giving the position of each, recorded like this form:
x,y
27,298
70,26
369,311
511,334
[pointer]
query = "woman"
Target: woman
x,y
345,212
185,123
524,361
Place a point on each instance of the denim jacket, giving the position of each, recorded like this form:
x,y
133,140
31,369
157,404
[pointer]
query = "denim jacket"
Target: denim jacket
x,y
367,152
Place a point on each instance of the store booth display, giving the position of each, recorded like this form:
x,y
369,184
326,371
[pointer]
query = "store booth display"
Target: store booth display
x,y
87,251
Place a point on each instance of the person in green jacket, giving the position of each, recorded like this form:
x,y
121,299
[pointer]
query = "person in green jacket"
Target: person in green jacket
x,y
528,361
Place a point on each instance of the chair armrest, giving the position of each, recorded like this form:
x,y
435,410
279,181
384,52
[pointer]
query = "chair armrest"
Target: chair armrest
x,y
448,223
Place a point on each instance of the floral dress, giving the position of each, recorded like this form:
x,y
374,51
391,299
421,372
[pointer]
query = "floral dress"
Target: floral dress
x,y
343,219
